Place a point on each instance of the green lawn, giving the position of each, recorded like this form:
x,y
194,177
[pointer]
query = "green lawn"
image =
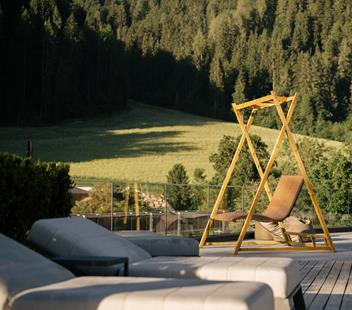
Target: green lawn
x,y
141,144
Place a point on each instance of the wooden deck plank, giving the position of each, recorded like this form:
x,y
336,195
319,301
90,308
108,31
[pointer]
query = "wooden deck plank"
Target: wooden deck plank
x,y
307,268
315,286
308,278
338,291
303,263
323,294
347,297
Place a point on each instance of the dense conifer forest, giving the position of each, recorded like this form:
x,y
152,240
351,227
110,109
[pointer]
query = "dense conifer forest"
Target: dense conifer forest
x,y
68,58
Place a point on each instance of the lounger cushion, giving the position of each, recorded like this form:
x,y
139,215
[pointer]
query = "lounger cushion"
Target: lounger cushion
x,y
21,269
80,236
281,274
124,293
159,245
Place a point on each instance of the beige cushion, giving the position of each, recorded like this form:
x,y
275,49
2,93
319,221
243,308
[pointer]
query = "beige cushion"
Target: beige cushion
x,y
125,293
281,274
21,269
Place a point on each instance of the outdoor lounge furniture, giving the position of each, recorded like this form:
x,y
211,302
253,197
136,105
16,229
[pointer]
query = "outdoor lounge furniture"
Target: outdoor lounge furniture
x,y
280,206
79,236
278,209
278,200
29,281
159,245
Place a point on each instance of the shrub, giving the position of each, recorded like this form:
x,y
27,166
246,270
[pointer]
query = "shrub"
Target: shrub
x,y
99,201
334,181
31,190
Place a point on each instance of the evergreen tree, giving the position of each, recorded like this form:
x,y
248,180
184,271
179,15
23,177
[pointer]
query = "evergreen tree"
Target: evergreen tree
x,y
179,193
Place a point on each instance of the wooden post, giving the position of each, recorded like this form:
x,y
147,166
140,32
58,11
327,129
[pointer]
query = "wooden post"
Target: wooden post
x,y
136,207
226,182
252,151
29,149
308,184
127,200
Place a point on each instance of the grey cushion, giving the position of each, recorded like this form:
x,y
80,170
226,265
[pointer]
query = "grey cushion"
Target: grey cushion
x,y
30,281
79,236
282,274
21,269
125,293
159,245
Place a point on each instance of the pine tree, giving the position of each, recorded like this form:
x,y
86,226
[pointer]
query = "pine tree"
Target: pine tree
x,y
179,193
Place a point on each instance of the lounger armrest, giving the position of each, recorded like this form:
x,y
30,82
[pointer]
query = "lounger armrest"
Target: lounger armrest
x,y
73,262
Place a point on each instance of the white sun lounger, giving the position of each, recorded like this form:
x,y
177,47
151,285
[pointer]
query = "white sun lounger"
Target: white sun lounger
x,y
79,236
28,281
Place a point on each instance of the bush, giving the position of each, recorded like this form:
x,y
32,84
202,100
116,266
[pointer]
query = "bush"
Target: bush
x,y
99,201
31,190
334,181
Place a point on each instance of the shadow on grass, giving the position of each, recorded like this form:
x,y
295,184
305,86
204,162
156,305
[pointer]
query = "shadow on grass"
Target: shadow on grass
x,y
107,145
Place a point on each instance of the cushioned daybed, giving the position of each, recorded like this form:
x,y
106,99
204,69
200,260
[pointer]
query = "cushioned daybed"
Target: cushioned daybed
x,y
28,281
79,236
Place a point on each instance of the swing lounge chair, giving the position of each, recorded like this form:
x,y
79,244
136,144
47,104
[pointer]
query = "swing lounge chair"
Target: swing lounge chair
x,y
280,206
29,281
79,236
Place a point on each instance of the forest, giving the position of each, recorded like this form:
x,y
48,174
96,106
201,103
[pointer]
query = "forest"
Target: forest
x,y
69,58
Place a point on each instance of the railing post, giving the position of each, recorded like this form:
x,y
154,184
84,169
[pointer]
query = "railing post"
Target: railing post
x,y
151,222
165,195
223,224
111,205
208,197
178,223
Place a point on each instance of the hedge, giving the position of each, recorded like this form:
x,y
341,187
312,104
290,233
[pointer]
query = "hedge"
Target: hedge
x,y
31,190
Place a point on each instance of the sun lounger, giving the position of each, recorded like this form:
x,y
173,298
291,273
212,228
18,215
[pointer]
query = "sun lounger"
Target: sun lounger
x,y
159,245
78,236
29,281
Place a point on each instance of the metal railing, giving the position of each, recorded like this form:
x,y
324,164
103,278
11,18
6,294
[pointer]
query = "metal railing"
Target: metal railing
x,y
179,209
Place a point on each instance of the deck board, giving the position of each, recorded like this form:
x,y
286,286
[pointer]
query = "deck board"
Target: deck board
x,y
347,297
324,293
315,286
338,291
327,284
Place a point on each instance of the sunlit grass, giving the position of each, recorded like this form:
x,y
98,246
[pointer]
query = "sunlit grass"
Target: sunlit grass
x,y
141,144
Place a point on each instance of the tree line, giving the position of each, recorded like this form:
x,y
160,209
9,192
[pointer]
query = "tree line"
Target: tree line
x,y
74,57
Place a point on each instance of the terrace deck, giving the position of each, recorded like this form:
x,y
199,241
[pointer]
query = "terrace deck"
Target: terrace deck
x,y
326,277
327,284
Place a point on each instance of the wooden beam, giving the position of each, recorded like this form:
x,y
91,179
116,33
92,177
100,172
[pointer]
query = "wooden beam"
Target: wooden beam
x,y
294,147
226,181
252,152
264,178
266,100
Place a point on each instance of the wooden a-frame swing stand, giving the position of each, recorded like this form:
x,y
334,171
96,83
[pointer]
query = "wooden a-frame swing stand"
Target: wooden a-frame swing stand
x,y
271,100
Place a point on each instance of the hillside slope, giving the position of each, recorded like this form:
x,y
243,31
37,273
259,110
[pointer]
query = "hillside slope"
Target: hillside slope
x,y
141,144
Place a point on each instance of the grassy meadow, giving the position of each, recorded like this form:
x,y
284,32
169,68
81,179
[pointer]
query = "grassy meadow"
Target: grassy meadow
x,y
141,144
